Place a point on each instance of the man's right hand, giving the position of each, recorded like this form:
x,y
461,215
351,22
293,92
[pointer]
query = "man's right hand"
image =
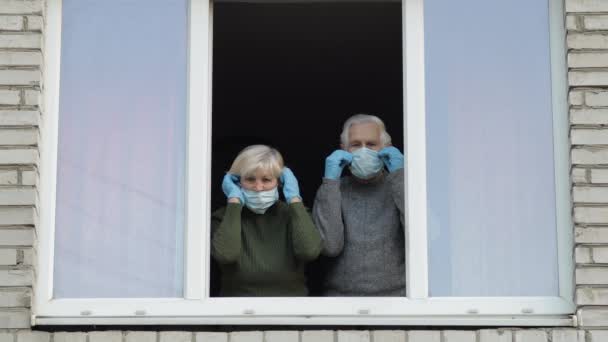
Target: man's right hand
x,y
335,163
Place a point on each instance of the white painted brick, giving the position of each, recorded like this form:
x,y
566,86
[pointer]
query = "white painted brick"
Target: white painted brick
x,y
16,216
29,177
588,78
580,194
576,98
567,335
530,336
69,337
586,5
16,237
578,175
593,317
587,41
7,337
591,296
317,336
8,177
18,118
423,336
589,116
14,318
20,58
28,256
598,335
19,77
495,335
105,336
353,336
583,255
210,337
16,277
281,336
590,155
175,336
597,98
571,23
459,336
247,336
9,97
8,256
600,254
19,156
587,59
11,22
17,196
595,22
20,6
17,136
140,336
599,175
34,23
592,275
388,336
581,136
15,297
20,41
590,215
32,97
33,336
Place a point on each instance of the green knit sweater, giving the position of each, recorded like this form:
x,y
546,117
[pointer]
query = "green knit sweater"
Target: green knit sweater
x,y
264,254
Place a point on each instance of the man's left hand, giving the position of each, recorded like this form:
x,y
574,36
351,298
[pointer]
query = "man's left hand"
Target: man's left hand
x,y
392,158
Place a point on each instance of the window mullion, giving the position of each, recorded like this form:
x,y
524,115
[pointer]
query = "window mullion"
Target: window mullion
x,y
414,107
199,149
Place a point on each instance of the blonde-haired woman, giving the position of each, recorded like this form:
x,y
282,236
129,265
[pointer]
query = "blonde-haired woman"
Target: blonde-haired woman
x,y
261,243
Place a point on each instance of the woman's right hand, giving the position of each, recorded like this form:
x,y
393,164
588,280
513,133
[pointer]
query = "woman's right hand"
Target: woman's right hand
x,y
231,188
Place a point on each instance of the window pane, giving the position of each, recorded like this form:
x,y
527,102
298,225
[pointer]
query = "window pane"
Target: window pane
x,y
121,158
491,196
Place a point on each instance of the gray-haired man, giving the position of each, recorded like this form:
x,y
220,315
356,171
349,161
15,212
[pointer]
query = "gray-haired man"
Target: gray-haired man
x,y
361,217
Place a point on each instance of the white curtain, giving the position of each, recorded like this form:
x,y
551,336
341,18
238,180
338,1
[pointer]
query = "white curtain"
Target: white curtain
x,y
121,155
491,196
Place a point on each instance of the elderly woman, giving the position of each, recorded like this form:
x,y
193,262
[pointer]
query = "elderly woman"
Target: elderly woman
x,y
261,243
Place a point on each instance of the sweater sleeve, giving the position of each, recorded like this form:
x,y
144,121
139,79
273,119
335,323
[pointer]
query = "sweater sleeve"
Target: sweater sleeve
x,y
327,216
396,184
305,237
226,234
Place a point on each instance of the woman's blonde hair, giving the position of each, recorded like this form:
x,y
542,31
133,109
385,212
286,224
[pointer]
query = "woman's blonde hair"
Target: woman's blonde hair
x,y
257,157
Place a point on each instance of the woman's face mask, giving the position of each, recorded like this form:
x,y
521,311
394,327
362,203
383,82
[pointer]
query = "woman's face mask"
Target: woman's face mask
x,y
260,201
366,164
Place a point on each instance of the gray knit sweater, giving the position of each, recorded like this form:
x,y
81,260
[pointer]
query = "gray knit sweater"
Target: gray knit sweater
x,y
362,226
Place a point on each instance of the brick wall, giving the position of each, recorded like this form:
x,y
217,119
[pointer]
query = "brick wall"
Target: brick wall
x,y
21,24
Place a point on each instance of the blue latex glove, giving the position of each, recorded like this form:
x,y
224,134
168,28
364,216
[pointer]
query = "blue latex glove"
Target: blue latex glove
x,y
392,158
291,189
231,187
335,163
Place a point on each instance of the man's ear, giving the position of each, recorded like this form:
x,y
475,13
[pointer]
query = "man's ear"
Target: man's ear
x,y
343,147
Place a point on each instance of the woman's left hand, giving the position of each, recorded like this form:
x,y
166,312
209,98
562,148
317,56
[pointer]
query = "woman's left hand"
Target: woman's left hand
x,y
291,189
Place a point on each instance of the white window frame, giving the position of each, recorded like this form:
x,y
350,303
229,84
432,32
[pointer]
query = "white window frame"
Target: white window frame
x,y
198,308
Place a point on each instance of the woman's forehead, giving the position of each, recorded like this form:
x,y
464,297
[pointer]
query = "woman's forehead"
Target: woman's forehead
x,y
261,172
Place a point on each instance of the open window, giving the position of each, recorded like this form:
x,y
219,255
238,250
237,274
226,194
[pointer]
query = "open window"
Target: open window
x,y
140,123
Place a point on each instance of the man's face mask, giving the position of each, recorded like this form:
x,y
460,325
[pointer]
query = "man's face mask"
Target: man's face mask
x,y
260,201
366,163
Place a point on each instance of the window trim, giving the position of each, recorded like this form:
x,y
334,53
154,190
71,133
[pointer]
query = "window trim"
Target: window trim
x,y
198,308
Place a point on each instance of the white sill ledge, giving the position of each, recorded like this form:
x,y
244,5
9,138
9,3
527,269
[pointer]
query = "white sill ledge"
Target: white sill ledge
x,y
371,320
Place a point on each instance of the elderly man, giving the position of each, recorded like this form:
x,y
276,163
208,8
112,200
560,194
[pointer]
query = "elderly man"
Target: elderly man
x,y
361,217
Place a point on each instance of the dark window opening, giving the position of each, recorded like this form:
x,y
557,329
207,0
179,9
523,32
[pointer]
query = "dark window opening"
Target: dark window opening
x,y
289,75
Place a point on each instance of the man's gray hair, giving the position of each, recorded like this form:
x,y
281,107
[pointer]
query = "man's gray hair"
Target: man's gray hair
x,y
364,118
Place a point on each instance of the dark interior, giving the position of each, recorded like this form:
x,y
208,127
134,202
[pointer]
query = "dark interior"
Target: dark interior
x,y
289,75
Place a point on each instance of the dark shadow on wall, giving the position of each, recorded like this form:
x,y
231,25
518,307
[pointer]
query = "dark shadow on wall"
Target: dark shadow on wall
x,y
289,75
